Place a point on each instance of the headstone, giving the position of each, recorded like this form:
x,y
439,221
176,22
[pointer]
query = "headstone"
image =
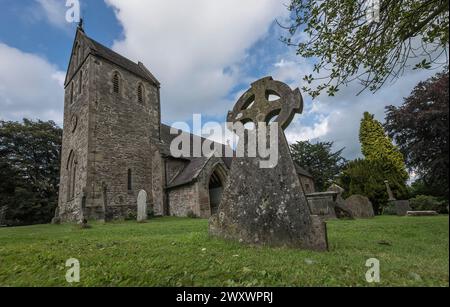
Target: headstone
x,y
267,206
323,204
422,213
401,207
389,191
339,206
142,206
359,206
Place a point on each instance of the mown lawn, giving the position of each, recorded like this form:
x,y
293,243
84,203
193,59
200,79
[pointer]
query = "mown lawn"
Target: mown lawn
x,y
179,252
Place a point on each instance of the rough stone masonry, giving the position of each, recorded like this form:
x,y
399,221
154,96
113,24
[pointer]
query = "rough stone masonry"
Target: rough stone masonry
x,y
267,206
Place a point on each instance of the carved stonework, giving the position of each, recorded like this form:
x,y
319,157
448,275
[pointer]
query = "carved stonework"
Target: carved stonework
x,y
267,206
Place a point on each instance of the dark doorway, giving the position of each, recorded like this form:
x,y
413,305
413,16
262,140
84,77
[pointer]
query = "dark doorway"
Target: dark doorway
x,y
215,191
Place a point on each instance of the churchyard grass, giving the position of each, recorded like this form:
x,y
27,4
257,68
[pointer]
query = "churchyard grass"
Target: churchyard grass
x,y
413,251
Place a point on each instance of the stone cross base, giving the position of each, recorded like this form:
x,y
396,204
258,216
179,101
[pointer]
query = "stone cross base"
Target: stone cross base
x,y
266,206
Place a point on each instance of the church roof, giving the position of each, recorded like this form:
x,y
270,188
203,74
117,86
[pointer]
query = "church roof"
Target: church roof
x,y
303,172
99,50
194,166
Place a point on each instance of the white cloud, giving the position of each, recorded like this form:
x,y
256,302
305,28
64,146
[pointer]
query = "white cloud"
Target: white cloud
x,y
338,118
54,12
29,87
194,47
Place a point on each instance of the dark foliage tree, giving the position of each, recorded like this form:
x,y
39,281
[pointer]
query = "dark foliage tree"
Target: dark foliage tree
x,y
354,41
320,160
29,170
420,127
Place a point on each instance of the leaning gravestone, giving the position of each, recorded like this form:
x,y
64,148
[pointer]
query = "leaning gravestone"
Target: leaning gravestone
x,y
339,207
359,206
267,206
142,206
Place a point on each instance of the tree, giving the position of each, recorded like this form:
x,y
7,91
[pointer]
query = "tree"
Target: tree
x,y
357,41
29,170
376,145
320,160
367,177
420,127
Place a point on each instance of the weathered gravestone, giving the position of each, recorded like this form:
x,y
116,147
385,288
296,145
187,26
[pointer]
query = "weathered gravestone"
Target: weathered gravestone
x,y
142,206
422,213
267,206
400,207
339,207
323,204
359,206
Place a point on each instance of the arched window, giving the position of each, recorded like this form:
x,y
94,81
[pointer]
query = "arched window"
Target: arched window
x,y
80,82
71,176
140,94
130,183
116,83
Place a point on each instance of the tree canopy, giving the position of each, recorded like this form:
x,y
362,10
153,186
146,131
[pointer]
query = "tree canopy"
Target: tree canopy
x,y
29,170
320,160
369,41
376,145
420,127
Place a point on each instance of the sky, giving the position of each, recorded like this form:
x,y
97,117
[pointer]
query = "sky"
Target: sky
x,y
205,54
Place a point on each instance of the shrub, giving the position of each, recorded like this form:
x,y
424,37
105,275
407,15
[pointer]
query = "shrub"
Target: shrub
x,y
429,203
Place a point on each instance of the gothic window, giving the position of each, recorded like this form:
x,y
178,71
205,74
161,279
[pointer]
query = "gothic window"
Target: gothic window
x,y
140,94
71,176
80,82
130,186
116,83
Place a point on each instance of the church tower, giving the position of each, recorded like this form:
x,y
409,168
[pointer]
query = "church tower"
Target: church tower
x,y
112,122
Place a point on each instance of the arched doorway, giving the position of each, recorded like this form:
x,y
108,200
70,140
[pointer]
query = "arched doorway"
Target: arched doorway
x,y
216,186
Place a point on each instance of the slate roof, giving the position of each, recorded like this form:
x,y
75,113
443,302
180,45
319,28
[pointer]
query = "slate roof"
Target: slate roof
x,y
194,166
99,50
301,171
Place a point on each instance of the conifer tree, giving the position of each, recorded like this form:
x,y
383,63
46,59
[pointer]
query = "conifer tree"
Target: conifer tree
x,y
377,146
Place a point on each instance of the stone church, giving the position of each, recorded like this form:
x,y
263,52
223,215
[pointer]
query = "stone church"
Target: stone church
x,y
114,145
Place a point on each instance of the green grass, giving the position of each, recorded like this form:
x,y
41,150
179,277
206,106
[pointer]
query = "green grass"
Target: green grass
x,y
179,252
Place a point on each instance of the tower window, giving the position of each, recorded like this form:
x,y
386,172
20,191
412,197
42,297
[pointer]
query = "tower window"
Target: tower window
x,y
130,186
140,94
116,83
71,176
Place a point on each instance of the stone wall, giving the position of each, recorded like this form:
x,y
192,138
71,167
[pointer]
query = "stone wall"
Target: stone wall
x,y
184,199
307,184
322,204
113,134
195,197
75,139
120,138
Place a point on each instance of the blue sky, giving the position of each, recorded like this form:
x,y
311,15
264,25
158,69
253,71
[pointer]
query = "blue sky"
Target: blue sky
x,y
205,53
